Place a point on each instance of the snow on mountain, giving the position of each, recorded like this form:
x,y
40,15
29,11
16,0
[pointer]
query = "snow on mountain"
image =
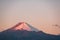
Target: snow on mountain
x,y
23,26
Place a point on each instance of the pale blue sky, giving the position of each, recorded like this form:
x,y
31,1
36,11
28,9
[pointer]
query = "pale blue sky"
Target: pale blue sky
x,y
41,14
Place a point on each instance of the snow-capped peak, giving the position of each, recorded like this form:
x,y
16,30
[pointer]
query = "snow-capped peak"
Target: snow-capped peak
x,y
23,26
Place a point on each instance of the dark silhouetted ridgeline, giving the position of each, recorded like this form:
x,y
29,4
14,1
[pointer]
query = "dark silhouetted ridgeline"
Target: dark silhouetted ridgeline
x,y
27,35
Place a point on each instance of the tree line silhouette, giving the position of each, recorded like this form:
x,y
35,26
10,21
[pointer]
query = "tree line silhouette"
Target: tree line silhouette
x,y
27,35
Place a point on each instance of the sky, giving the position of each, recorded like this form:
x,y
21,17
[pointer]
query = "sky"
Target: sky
x,y
43,15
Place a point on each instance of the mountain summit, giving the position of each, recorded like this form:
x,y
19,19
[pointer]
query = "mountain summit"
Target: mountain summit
x,y
23,26
24,31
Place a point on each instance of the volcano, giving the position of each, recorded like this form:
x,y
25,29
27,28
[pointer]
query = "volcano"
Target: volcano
x,y
24,31
23,26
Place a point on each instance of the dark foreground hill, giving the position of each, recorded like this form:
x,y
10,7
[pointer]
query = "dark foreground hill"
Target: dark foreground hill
x,y
27,35
24,31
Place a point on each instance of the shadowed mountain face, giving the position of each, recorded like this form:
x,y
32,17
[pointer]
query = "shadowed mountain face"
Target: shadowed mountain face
x,y
19,32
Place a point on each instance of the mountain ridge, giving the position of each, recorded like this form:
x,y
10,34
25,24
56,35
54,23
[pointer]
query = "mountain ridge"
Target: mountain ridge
x,y
11,34
23,26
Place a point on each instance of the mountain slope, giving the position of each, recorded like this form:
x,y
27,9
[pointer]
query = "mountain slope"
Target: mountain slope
x,y
23,26
20,32
27,35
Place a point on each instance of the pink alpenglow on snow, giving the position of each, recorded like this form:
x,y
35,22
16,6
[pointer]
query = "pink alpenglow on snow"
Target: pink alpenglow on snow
x,y
23,26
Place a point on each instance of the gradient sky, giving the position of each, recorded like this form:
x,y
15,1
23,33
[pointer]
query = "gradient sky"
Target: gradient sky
x,y
43,15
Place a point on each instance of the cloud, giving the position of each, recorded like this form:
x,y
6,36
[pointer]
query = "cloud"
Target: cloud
x,y
56,25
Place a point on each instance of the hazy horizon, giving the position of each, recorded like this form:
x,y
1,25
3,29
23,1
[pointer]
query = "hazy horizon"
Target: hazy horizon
x,y
43,15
